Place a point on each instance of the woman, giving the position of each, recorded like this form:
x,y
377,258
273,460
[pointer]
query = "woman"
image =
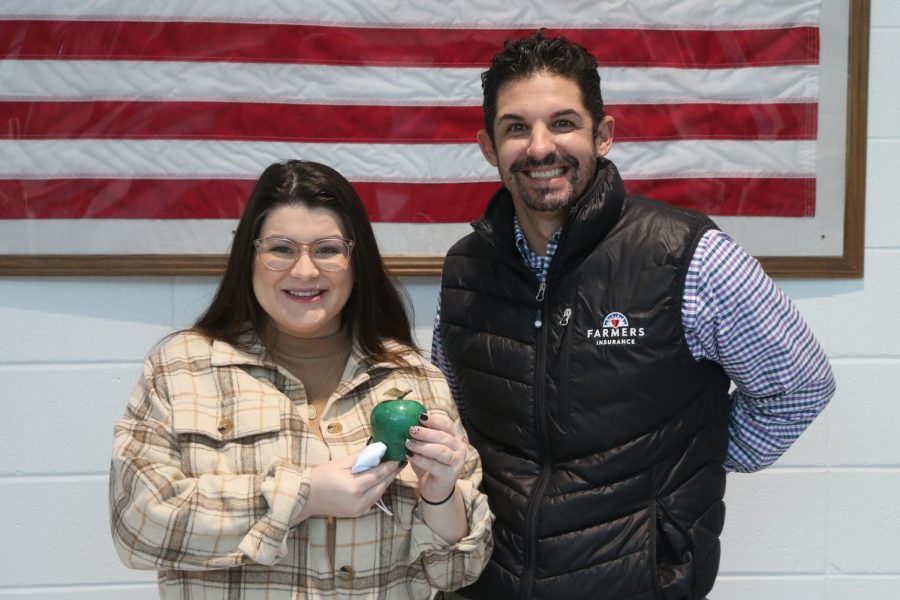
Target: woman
x,y
231,467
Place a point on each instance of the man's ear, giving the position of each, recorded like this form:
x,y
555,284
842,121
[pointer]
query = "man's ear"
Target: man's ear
x,y
487,147
604,137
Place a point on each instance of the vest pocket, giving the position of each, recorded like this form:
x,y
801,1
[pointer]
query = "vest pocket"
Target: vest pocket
x,y
673,551
566,349
563,349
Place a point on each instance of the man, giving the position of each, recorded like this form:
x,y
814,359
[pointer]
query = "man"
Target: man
x,y
591,338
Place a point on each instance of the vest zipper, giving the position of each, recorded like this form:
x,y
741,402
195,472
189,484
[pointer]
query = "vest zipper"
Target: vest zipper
x,y
538,321
540,422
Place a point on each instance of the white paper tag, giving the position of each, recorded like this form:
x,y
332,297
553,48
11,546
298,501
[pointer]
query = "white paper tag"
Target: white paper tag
x,y
369,457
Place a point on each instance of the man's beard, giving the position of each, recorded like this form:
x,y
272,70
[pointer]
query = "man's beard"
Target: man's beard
x,y
539,200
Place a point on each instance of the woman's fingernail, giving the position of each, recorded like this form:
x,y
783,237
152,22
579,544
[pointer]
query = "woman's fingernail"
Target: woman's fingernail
x,y
413,431
423,417
403,465
409,453
409,443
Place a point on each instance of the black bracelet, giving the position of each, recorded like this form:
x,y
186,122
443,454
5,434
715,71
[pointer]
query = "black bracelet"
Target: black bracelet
x,y
427,501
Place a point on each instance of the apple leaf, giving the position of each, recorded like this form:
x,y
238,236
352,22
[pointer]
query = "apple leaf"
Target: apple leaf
x,y
398,394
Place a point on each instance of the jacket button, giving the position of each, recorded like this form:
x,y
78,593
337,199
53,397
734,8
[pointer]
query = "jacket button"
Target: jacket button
x,y
225,425
334,428
345,572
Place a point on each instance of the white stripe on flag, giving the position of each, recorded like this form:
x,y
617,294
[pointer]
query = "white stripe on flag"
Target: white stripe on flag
x,y
459,13
714,158
317,84
190,236
431,163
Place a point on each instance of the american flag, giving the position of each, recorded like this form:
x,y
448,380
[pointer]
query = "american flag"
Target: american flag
x,y
155,118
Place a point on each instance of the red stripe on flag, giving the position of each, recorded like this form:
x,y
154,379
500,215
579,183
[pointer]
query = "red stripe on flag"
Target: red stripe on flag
x,y
223,199
371,46
386,202
240,121
123,198
425,202
774,121
373,124
733,197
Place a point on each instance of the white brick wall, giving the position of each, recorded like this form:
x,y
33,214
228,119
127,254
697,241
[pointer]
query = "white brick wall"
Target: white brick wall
x,y
824,522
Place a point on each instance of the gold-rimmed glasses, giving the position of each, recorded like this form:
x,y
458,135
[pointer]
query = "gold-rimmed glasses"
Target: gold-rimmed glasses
x,y
281,254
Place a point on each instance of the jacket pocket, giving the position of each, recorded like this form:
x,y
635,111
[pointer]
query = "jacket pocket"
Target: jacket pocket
x,y
566,349
674,556
562,347
239,437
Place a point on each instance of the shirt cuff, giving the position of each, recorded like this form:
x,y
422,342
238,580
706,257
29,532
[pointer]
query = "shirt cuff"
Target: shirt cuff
x,y
476,543
283,485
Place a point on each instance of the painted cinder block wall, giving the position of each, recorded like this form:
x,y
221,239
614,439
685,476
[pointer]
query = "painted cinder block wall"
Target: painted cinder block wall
x,y
824,522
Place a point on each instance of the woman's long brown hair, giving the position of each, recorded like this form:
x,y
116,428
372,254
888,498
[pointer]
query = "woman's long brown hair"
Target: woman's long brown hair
x,y
375,311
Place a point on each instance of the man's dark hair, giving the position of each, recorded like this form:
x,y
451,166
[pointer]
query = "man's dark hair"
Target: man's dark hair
x,y
528,56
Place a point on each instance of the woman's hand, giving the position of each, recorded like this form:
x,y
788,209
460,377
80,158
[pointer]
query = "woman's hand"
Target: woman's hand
x,y
437,456
335,491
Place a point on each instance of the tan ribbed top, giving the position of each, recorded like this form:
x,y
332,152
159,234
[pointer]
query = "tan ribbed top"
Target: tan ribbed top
x,y
317,362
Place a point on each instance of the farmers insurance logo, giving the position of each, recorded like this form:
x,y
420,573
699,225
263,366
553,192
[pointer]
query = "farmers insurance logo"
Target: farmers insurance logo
x,y
616,331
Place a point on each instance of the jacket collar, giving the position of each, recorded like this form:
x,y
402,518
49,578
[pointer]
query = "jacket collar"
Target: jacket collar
x,y
251,352
589,220
254,353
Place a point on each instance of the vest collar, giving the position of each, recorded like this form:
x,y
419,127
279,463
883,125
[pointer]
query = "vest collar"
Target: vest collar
x,y
589,220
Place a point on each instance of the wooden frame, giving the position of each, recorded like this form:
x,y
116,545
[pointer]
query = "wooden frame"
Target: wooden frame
x,y
848,264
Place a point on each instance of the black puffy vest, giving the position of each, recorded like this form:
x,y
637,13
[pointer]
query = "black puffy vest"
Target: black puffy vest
x,y
602,438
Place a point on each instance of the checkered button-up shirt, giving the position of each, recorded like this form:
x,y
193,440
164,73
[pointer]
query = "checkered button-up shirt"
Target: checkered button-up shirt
x,y
214,453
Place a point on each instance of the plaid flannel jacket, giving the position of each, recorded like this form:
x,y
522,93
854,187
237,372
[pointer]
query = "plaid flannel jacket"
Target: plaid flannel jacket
x,y
214,453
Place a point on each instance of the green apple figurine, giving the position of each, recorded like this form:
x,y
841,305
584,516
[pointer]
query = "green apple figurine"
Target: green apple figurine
x,y
391,420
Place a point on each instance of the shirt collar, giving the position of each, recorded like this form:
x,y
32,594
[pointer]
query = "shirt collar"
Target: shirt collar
x,y
537,263
252,352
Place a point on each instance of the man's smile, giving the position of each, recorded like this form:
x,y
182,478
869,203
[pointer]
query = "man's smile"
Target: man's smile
x,y
545,173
